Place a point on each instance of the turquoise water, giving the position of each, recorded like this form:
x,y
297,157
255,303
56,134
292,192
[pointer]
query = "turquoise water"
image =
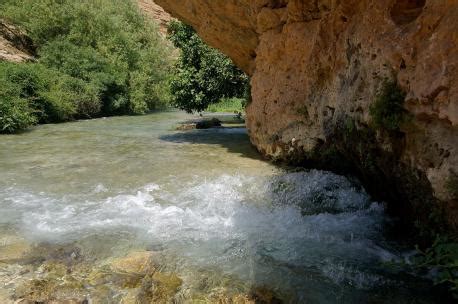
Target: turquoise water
x,y
205,200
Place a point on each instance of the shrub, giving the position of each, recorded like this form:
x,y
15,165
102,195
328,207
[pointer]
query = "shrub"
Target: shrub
x,y
442,260
95,58
35,84
84,96
15,113
203,75
387,112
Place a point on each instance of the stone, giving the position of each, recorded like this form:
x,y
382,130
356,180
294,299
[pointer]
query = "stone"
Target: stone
x,y
208,123
130,297
5,297
139,262
13,248
200,124
315,65
159,288
166,285
37,290
51,283
264,295
125,272
186,127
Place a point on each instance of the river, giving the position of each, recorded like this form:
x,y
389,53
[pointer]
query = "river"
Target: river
x,y
78,196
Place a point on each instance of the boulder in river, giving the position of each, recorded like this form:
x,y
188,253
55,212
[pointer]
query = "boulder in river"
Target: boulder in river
x,y
200,124
208,123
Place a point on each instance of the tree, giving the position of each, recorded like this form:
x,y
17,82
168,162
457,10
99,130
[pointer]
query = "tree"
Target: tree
x,y
203,75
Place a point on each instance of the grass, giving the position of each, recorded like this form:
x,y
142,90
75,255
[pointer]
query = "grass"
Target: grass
x,y
228,105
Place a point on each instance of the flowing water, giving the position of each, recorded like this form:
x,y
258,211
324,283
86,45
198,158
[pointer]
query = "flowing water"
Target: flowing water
x,y
218,216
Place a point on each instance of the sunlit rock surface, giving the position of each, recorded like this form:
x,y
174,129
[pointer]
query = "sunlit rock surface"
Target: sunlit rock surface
x,y
15,45
318,65
155,12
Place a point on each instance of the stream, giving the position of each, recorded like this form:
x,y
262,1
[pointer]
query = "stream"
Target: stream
x,y
77,198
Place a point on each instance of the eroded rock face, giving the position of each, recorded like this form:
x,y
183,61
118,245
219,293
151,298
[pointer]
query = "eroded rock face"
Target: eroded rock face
x,y
316,68
155,12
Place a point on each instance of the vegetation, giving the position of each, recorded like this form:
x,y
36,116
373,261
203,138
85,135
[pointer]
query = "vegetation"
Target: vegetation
x,y
441,260
15,113
387,111
228,105
203,75
32,93
95,58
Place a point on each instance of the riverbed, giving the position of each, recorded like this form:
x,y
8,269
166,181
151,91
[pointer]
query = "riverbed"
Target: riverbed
x,y
198,214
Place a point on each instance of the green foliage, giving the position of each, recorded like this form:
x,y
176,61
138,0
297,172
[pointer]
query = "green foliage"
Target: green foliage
x,y
15,113
387,112
442,260
227,105
203,76
95,58
36,91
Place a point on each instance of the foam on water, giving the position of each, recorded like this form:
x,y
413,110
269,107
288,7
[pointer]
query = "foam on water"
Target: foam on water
x,y
257,228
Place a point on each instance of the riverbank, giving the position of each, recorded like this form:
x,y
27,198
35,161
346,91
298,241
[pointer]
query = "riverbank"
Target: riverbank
x,y
78,69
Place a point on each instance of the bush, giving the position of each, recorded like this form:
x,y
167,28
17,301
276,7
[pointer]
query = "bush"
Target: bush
x,y
203,75
95,58
441,259
36,86
388,112
15,113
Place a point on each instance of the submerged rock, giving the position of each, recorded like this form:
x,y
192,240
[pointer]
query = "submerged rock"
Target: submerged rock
x,y
139,262
186,127
159,288
134,278
13,248
200,124
258,295
137,277
5,297
52,283
263,295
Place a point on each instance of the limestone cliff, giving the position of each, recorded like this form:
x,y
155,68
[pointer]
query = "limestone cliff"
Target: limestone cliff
x,y
317,67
